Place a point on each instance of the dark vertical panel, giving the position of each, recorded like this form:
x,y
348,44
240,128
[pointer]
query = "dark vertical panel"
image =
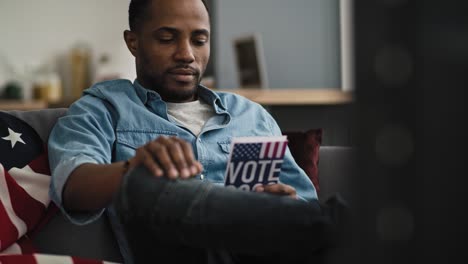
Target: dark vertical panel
x,y
411,81
443,51
387,94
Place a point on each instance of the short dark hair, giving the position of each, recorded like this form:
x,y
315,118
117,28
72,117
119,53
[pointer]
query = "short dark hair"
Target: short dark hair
x,y
137,14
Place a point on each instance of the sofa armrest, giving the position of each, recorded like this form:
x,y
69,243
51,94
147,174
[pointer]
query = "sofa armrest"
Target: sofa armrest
x,y
93,241
335,169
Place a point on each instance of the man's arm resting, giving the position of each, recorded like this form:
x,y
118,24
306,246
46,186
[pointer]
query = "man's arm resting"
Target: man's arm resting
x,y
91,187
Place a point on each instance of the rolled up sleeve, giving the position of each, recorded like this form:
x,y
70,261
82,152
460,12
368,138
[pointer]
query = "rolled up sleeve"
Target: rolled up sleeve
x,y
291,172
84,135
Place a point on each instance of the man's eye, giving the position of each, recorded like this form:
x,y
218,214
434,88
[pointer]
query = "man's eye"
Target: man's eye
x,y
200,42
165,39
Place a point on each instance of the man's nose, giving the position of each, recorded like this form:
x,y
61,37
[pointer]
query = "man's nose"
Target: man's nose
x,y
184,52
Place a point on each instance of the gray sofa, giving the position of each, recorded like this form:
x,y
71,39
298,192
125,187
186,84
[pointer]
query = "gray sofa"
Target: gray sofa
x,y
96,240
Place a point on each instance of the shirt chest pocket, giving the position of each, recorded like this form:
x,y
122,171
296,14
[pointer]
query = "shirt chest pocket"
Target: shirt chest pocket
x,y
134,138
223,151
224,147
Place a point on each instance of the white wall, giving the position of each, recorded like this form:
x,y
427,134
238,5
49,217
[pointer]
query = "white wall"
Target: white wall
x,y
300,39
38,31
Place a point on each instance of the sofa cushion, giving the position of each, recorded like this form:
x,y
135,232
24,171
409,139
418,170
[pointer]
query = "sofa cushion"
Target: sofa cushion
x,y
92,241
337,167
42,121
24,180
305,147
47,259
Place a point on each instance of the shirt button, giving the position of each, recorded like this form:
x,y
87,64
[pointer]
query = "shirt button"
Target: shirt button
x,y
202,177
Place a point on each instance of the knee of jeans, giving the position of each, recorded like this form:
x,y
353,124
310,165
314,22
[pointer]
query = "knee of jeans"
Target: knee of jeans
x,y
135,188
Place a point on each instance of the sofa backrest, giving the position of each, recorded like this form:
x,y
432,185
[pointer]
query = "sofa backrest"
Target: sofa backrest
x,y
96,240
59,236
41,120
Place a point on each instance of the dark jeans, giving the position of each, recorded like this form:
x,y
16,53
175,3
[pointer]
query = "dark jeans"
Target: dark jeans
x,y
182,221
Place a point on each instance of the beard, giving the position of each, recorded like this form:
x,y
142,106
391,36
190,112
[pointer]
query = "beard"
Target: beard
x,y
171,90
165,85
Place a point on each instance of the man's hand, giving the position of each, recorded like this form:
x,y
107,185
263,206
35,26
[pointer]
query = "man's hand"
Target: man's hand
x,y
168,156
278,189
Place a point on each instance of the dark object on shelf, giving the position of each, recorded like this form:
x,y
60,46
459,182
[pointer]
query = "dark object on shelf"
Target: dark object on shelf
x,y
12,90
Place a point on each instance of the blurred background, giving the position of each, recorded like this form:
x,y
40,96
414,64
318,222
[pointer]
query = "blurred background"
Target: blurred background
x,y
53,49
78,41
301,41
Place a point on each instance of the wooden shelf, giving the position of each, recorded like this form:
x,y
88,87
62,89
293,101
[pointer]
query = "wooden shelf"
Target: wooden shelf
x,y
278,97
22,105
294,96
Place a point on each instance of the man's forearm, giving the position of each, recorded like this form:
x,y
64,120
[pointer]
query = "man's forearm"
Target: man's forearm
x,y
91,187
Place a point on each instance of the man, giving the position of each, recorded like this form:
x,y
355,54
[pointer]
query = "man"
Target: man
x,y
167,125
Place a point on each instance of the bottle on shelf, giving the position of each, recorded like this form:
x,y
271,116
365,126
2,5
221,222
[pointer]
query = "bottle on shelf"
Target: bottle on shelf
x,y
80,60
47,85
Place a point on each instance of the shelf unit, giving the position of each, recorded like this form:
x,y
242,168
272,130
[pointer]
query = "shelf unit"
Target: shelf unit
x,y
311,96
6,105
278,97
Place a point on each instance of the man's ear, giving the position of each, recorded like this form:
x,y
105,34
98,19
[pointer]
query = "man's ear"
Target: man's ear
x,y
131,40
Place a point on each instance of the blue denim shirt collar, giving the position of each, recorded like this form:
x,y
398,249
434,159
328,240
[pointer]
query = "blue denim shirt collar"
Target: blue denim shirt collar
x,y
204,93
143,93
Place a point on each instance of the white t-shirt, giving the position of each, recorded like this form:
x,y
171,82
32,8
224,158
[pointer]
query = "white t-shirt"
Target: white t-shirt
x,y
191,115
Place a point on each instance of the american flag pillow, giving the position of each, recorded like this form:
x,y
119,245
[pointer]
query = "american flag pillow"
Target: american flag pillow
x,y
47,259
24,182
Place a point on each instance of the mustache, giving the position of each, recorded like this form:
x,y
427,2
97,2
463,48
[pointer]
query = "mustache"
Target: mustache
x,y
189,68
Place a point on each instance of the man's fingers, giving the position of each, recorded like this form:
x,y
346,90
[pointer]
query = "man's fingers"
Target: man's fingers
x,y
198,167
193,165
160,152
176,152
169,156
279,189
144,157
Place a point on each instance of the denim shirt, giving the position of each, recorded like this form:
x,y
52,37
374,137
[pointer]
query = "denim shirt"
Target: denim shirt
x,y
114,118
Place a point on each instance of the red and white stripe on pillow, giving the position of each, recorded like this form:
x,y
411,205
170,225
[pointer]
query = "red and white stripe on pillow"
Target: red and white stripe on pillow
x,y
23,202
24,245
24,184
47,259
